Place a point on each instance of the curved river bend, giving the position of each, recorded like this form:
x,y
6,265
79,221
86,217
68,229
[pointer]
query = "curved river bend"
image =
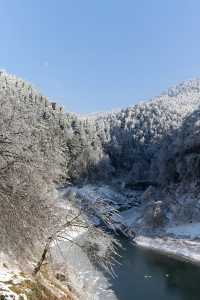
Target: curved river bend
x,y
144,274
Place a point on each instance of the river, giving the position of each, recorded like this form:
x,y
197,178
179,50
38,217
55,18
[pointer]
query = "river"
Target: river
x,y
144,274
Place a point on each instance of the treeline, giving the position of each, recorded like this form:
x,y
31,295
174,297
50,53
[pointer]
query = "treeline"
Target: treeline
x,y
140,143
31,161
150,143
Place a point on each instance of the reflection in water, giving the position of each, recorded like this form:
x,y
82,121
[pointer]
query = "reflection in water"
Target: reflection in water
x,y
144,274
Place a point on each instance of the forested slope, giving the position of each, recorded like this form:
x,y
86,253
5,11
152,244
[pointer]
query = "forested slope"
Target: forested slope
x,y
140,142
155,143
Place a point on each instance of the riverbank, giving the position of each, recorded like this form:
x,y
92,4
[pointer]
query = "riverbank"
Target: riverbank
x,y
182,249
18,285
180,240
81,278
145,274
173,240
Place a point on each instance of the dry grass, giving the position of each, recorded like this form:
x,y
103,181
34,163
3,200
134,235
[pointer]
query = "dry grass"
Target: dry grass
x,y
43,287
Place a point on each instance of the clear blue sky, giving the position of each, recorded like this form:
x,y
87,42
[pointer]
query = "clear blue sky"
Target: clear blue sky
x,y
95,55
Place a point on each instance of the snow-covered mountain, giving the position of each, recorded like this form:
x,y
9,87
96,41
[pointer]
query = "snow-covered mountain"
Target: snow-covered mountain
x,y
148,155
133,141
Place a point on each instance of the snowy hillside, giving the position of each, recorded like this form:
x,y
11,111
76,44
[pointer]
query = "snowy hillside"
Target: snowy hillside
x,y
142,162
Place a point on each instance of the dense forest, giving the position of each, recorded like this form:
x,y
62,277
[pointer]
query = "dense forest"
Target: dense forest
x,y
152,144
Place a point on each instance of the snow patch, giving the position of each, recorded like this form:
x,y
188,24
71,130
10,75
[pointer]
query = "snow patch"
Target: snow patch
x,y
179,248
191,230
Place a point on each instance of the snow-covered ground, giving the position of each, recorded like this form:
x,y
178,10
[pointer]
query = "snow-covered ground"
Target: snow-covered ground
x,y
180,248
88,282
9,277
81,275
182,240
191,230
130,216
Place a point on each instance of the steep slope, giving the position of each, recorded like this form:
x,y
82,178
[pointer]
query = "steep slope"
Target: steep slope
x,y
152,147
30,161
38,146
132,139
152,143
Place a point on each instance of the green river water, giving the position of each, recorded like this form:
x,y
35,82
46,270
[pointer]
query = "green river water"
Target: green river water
x,y
146,275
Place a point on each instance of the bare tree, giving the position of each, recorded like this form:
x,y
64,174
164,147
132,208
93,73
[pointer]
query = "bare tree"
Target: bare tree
x,y
100,247
30,161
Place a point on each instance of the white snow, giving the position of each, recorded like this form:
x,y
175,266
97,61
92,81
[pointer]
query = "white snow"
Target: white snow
x,y
179,248
9,276
90,283
191,230
130,216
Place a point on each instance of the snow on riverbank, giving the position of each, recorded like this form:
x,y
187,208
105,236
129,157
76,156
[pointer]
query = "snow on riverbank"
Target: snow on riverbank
x,y
191,230
130,216
88,282
173,240
9,277
179,248
181,241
